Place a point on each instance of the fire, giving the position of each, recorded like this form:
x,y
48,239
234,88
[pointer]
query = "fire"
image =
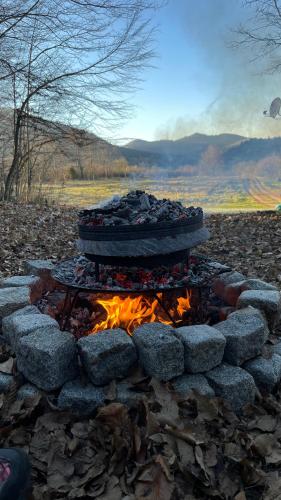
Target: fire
x,y
130,312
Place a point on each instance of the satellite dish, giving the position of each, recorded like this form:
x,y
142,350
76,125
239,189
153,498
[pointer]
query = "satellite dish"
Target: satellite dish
x,y
274,109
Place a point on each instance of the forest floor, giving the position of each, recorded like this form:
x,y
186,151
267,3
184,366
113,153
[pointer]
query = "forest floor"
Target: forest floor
x,y
249,242
166,449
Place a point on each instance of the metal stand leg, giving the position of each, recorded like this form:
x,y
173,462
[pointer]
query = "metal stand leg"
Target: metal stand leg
x,y
67,311
164,308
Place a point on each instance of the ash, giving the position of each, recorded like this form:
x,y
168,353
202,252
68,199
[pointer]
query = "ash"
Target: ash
x,y
137,207
80,272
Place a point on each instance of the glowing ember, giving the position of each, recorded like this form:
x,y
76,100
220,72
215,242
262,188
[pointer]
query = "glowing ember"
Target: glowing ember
x,y
130,312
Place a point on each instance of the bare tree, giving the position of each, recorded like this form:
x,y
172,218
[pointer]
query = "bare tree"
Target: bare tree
x,y
73,61
261,34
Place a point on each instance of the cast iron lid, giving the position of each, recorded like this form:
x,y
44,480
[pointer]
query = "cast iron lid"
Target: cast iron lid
x,y
141,231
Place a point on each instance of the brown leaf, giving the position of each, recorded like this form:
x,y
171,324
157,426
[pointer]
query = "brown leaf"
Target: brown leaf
x,y
185,434
240,496
165,467
251,474
266,423
113,415
152,484
169,412
207,408
7,366
211,455
185,453
263,444
113,491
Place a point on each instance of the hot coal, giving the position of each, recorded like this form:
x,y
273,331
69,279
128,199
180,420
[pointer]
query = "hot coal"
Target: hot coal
x,y
80,272
137,207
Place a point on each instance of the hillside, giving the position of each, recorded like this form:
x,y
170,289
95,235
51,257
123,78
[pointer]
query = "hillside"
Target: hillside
x,y
214,154
252,150
69,152
180,146
185,151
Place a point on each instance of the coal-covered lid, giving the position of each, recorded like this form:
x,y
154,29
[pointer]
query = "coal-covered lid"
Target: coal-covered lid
x,y
138,208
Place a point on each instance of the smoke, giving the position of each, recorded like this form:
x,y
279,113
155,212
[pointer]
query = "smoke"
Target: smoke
x,y
241,88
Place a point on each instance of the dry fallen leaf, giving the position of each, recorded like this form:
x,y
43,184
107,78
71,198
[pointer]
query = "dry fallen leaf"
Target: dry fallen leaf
x,y
7,366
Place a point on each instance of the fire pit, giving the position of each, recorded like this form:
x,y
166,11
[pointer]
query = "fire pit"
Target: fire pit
x,y
154,306
136,249
132,296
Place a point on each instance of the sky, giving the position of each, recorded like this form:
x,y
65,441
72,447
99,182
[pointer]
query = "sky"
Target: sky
x,y
198,83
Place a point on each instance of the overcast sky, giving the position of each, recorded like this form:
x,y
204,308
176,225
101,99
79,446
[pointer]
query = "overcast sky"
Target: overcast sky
x,y
199,84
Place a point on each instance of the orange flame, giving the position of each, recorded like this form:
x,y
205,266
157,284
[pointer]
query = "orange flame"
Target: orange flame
x,y
130,312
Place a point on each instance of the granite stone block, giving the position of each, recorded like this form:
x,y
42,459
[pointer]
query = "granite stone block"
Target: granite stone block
x,y
16,327
47,358
245,332
13,298
203,347
233,384
81,398
266,372
107,355
161,353
268,301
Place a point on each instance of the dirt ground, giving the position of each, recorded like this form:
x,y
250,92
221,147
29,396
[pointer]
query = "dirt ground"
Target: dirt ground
x,y
165,448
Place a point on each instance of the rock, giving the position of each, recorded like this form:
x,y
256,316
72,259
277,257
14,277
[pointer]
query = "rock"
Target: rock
x,y
268,301
28,391
20,312
16,327
225,279
126,395
18,281
266,372
256,284
276,349
245,332
33,282
81,398
39,267
43,269
25,311
234,290
233,384
13,298
203,347
107,355
47,358
185,384
218,266
161,353
5,382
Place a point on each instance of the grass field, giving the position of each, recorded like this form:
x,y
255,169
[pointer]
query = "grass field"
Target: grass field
x,y
218,194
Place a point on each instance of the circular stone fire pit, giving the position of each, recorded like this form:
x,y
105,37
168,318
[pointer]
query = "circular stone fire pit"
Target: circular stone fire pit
x,y
229,359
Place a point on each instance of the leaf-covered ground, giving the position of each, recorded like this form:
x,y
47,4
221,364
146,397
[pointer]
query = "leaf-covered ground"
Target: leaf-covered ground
x,y
165,448
249,242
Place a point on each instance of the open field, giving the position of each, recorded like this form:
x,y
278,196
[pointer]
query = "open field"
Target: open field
x,y
214,194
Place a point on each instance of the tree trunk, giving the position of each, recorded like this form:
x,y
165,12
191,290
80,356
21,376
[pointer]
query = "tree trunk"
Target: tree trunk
x,y
10,179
